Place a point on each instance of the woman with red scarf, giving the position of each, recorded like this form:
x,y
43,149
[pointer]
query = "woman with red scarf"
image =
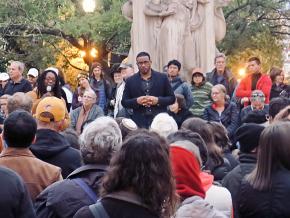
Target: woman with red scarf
x,y
189,187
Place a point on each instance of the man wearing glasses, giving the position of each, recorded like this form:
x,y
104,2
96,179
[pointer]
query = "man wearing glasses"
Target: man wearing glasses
x,y
257,110
147,92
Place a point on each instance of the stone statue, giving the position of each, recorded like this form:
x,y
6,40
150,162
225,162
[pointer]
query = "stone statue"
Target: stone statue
x,y
156,11
185,30
175,36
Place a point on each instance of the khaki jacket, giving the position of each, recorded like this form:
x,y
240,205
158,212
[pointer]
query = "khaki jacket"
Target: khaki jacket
x,y
36,174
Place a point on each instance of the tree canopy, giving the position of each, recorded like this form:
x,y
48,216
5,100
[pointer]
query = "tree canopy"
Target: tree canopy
x,y
255,28
53,32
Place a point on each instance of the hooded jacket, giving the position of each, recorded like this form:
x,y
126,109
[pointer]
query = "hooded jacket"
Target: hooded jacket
x,y
52,147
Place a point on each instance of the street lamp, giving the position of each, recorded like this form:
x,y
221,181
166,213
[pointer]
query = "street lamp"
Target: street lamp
x,y
242,72
89,5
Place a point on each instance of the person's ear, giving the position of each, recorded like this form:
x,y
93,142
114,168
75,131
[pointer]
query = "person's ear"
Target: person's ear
x,y
34,139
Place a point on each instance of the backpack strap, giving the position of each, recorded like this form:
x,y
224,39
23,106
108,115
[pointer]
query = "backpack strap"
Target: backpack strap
x,y
84,186
98,210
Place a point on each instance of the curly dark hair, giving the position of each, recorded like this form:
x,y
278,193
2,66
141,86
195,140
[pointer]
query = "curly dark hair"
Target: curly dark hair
x,y
143,166
41,88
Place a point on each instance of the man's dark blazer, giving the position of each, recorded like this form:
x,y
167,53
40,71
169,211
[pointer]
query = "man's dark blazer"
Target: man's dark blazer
x,y
160,88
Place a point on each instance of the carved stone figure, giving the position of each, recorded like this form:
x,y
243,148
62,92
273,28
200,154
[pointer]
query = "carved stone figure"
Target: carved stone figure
x,y
175,36
185,30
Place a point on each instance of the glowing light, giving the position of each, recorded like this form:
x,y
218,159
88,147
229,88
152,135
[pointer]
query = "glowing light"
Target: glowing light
x,y
89,5
94,52
82,53
242,72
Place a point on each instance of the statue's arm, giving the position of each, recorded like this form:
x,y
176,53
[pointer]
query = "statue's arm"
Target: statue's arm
x,y
158,10
127,10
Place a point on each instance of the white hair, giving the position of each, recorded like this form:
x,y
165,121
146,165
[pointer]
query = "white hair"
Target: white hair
x,y
164,125
20,65
99,140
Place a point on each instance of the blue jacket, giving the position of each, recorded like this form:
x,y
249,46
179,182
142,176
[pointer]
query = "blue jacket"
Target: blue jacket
x,y
183,88
160,88
229,117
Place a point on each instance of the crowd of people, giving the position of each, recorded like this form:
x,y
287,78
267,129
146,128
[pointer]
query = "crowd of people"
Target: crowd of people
x,y
145,144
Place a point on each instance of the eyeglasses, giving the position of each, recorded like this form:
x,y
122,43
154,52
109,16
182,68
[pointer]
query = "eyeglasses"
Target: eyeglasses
x,y
143,63
87,96
257,96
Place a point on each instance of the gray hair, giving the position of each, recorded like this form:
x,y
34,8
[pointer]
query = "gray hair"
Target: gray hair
x,y
19,64
99,140
19,101
219,55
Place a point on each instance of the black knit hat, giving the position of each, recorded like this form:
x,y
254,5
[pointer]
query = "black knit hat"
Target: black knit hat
x,y
248,136
256,116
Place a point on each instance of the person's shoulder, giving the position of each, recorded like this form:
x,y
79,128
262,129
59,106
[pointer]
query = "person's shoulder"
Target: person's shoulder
x,y
207,87
97,108
48,166
6,172
133,78
159,75
10,178
210,74
25,81
232,175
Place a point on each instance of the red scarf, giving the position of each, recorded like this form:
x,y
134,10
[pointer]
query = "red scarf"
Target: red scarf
x,y
186,170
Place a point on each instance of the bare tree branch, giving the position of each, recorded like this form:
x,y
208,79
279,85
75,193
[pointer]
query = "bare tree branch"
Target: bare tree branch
x,y
12,28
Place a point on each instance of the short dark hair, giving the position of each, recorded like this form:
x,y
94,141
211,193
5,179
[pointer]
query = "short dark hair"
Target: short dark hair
x,y
142,54
174,62
256,59
276,105
19,129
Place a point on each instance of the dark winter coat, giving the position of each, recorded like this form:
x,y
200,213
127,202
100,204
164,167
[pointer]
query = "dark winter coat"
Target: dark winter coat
x,y
117,208
232,181
282,90
52,147
229,117
160,88
64,199
14,200
271,203
181,116
228,81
